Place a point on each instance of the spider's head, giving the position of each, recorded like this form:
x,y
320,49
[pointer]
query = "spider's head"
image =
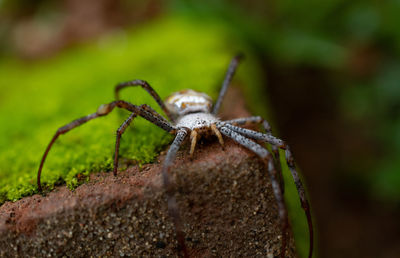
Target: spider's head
x,y
188,101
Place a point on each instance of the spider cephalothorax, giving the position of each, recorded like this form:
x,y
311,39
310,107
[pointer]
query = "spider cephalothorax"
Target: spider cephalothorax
x,y
192,112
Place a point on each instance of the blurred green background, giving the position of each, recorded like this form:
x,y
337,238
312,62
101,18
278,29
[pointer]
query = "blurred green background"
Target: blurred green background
x,y
332,73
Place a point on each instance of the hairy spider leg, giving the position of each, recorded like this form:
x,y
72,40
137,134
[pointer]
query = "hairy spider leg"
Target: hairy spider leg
x,y
228,78
250,121
278,166
120,131
60,131
275,149
123,127
275,152
267,158
292,167
170,190
302,194
254,134
102,111
146,86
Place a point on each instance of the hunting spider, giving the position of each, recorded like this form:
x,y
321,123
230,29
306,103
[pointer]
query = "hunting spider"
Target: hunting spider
x,y
193,113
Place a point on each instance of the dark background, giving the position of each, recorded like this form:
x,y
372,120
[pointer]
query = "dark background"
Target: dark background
x,y
333,79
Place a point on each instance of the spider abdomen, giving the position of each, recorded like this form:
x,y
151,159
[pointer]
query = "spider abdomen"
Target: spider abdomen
x,y
188,101
196,120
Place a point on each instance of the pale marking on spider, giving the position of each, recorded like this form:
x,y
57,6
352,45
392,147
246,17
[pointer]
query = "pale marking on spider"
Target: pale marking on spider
x,y
193,112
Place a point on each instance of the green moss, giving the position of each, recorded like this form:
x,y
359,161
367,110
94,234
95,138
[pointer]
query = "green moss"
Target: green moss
x,y
38,98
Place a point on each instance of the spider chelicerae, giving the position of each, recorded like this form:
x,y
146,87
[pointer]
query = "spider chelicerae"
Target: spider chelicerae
x,y
193,114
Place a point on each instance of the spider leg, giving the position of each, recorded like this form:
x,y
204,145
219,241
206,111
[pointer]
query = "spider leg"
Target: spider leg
x,y
249,121
120,131
146,86
255,135
266,156
171,200
291,164
154,113
228,78
123,127
102,111
277,160
302,194
275,149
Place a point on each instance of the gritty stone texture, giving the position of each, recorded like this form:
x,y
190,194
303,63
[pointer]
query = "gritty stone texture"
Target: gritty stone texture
x,y
225,199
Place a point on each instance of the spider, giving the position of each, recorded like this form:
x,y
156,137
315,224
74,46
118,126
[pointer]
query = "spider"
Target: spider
x,y
193,114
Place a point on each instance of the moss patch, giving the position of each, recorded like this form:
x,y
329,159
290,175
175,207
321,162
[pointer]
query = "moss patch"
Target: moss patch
x,y
36,99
